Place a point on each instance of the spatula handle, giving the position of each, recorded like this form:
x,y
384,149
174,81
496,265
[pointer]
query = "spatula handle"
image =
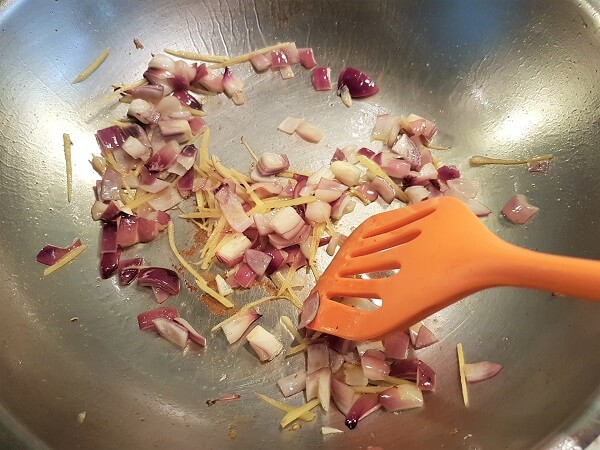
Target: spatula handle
x,y
575,277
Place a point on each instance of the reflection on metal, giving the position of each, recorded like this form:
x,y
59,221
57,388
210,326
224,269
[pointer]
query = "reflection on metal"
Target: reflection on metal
x,y
504,79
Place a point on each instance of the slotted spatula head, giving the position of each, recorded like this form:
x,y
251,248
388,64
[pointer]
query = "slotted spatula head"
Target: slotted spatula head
x,y
433,252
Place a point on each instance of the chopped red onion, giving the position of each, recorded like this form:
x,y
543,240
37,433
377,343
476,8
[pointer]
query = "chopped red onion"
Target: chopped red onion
x,y
278,60
289,125
187,99
129,270
424,338
446,173
136,149
360,85
309,132
185,185
208,79
321,78
244,276
108,243
405,368
324,388
318,211
365,405
346,172
178,129
426,377
146,318
309,309
417,193
232,209
354,375
464,187
149,92
286,72
272,163
193,335
171,331
285,220
399,398
405,148
143,111
292,53
396,345
422,127
232,252
197,125
342,346
475,372
317,357
338,155
329,190
50,254
278,259
234,87
264,343
110,138
518,210
343,395
127,234
341,206
109,263
167,199
147,229
236,328
260,62
257,261
383,188
367,192
158,277
292,384
110,186
164,158
307,58
373,367
478,208
386,129
280,242
395,168
336,360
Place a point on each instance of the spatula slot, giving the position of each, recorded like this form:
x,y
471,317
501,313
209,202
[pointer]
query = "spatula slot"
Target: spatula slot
x,y
399,222
363,304
381,243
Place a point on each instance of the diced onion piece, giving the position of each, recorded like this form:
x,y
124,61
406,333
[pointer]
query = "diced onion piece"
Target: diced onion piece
x,y
234,87
134,148
464,187
278,59
193,335
401,397
292,384
386,129
309,132
317,357
346,173
384,189
285,220
232,252
309,309
324,391
518,210
143,111
146,318
374,368
354,375
171,331
272,163
286,72
307,58
424,338
257,260
461,371
260,62
235,329
359,83
475,372
290,124
318,212
343,395
321,78
396,345
264,343
365,405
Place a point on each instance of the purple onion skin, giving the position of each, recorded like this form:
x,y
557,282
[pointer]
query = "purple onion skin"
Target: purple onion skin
x,y
359,84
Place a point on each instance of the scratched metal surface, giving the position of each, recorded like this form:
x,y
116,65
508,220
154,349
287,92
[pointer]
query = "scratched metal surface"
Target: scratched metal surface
x,y
506,78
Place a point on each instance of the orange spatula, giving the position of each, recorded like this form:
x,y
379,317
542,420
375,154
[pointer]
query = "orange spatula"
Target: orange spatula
x,y
441,252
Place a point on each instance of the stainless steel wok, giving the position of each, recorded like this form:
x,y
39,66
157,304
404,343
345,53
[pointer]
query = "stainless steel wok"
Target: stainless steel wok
x,y
501,78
